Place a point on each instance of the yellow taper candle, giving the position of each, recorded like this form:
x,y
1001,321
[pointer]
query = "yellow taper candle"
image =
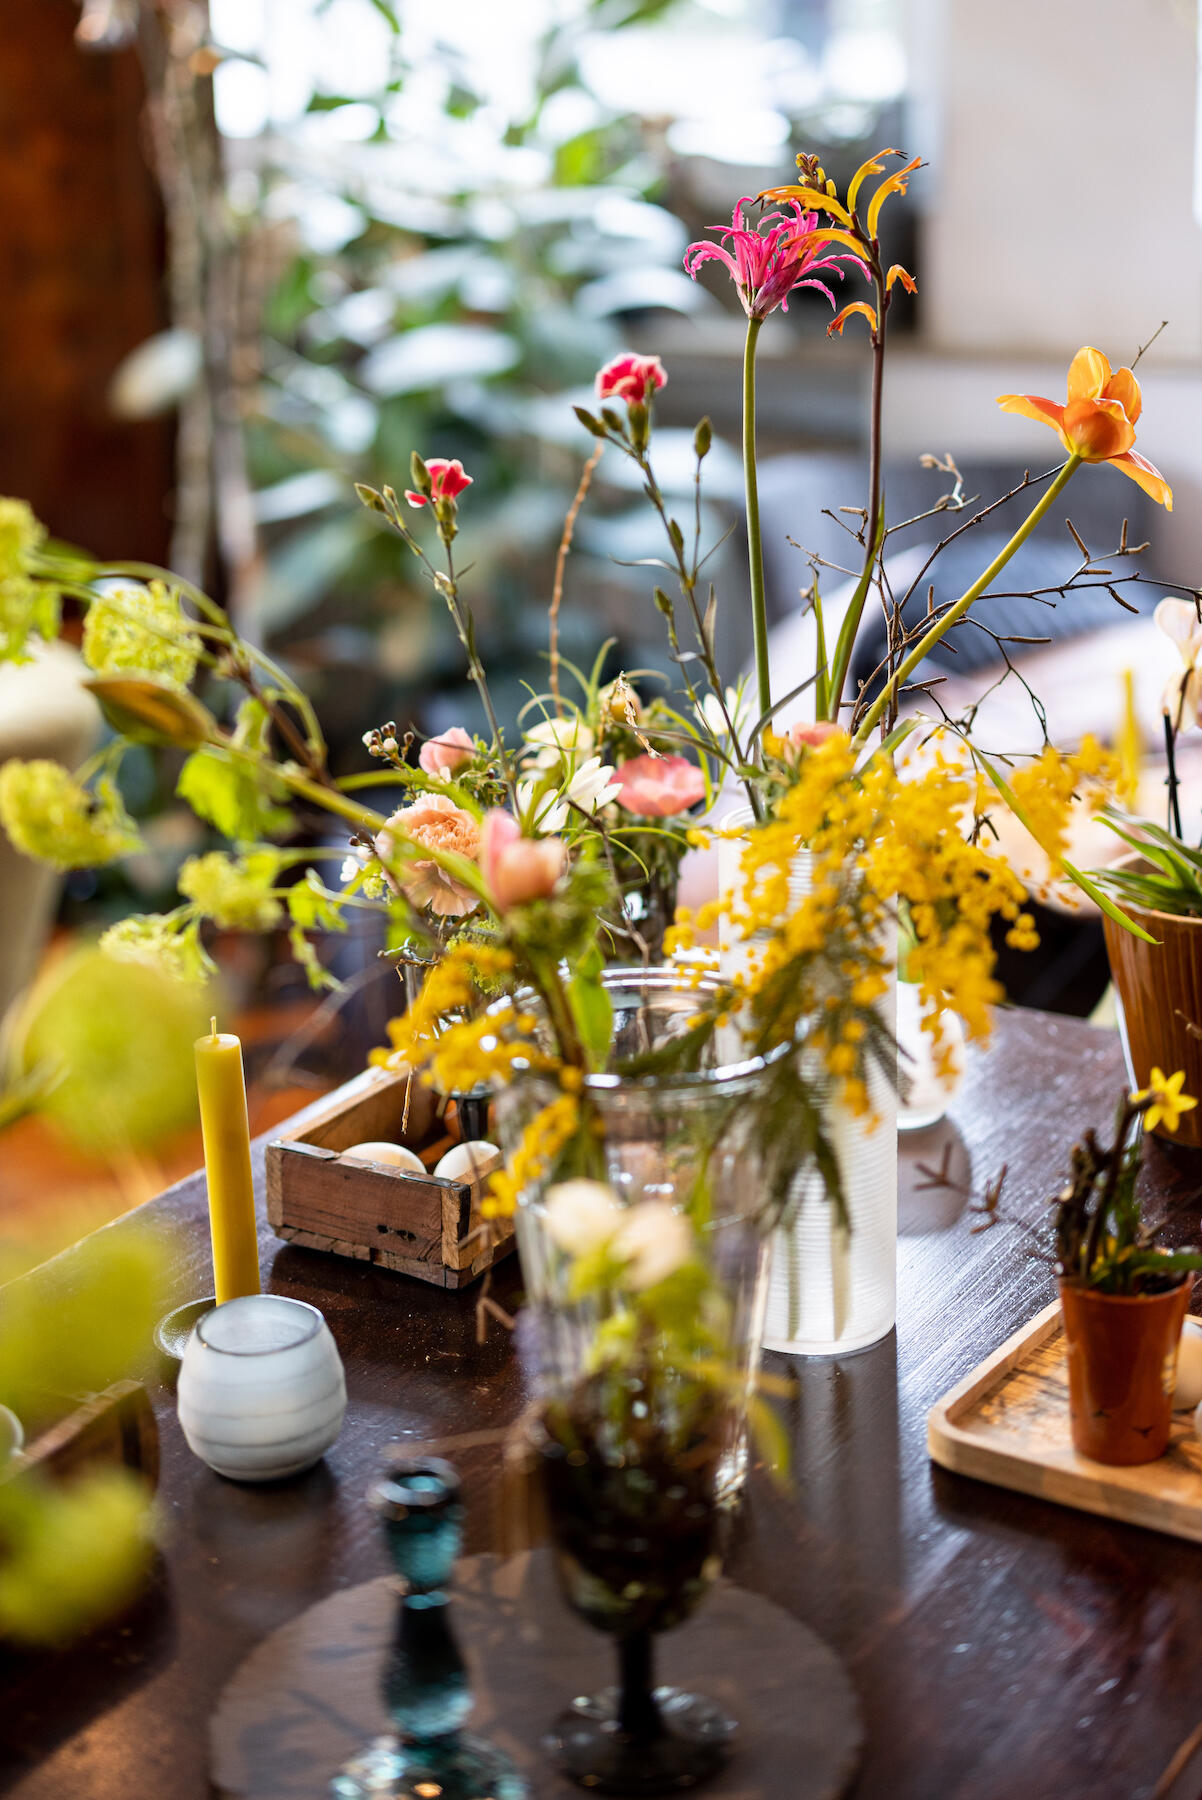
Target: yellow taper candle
x,y
226,1129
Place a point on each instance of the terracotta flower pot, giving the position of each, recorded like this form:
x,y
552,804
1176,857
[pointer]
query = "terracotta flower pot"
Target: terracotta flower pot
x,y
1122,1369
1160,987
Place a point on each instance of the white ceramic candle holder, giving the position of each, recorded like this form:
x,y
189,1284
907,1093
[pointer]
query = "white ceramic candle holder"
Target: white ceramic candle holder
x,y
261,1389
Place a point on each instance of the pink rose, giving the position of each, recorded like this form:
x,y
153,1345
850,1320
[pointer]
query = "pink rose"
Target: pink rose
x,y
518,869
446,479
631,377
808,737
441,756
437,823
659,786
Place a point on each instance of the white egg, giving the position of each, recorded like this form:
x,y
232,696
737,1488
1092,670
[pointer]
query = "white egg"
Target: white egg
x,y
1188,1392
468,1162
395,1155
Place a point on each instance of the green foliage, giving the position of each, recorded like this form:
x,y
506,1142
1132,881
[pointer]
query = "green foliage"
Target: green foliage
x,y
52,817
29,606
73,1555
120,1037
1172,881
592,1010
230,789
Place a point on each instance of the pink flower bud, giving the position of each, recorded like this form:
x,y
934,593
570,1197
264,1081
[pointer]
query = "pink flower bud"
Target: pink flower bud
x,y
808,737
442,755
631,377
518,869
446,480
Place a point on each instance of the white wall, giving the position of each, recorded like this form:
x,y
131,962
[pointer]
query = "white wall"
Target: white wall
x,y
1058,211
1061,196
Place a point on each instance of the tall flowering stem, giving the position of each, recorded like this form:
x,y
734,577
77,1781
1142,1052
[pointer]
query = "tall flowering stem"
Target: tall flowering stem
x,y
816,193
767,263
755,542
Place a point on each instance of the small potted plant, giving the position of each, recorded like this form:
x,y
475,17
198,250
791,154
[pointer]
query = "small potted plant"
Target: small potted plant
x,y
1123,1298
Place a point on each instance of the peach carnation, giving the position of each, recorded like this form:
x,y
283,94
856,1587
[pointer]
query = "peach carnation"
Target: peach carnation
x,y
437,823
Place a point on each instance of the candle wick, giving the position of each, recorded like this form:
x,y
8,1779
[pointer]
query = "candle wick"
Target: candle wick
x,y
213,1026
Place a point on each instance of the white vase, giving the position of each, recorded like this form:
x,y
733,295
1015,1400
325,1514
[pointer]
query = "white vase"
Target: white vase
x,y
261,1388
832,1287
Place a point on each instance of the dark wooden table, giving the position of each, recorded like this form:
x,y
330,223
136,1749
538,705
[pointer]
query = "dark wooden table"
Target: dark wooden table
x,y
1002,1647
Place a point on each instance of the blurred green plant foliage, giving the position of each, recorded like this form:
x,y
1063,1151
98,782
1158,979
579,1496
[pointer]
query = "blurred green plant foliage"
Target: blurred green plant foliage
x,y
72,1555
485,266
103,1050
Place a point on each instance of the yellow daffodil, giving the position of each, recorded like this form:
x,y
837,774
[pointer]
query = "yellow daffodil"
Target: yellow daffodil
x,y
1168,1103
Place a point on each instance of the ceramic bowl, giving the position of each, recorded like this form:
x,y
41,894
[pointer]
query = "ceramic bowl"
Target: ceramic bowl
x,y
261,1390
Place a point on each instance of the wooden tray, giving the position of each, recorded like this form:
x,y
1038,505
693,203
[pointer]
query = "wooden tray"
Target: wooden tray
x,y
325,1200
1008,1423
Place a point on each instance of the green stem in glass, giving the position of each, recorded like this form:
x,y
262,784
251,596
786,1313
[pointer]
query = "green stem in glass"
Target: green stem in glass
x,y
954,614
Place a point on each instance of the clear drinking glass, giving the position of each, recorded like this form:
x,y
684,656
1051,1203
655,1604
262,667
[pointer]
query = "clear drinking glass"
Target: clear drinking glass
x,y
645,1382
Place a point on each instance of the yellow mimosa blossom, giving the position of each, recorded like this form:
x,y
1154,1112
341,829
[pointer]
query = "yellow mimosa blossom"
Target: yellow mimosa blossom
x,y
534,1158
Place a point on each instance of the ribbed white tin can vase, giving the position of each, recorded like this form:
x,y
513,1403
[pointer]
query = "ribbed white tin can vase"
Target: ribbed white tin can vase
x,y
833,1286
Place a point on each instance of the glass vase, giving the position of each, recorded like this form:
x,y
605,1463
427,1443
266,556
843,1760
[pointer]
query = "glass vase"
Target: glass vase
x,y
645,1275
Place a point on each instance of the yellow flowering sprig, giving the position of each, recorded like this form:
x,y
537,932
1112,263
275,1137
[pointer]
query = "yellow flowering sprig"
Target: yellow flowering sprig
x,y
874,835
550,1130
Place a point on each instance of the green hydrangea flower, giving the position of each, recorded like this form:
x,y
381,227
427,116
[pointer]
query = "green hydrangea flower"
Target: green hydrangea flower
x,y
168,942
51,818
234,891
28,606
136,630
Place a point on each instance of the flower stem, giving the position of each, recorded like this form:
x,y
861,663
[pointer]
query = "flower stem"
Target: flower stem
x,y
755,544
954,614
873,523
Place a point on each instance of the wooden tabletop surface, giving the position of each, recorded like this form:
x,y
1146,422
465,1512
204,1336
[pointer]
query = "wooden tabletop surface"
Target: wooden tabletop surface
x,y
1002,1647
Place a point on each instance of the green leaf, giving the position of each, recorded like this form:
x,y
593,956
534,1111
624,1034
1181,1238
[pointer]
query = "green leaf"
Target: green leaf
x,y
230,796
150,712
592,1010
1102,901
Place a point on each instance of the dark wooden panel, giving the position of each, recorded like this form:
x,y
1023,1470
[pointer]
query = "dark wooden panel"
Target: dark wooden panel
x,y
81,258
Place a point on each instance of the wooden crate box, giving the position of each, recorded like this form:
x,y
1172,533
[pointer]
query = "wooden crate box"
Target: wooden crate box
x,y
418,1225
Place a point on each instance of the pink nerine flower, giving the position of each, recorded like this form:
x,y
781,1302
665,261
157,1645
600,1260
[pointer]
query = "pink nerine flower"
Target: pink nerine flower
x,y
442,755
766,266
446,480
518,869
437,823
659,786
631,377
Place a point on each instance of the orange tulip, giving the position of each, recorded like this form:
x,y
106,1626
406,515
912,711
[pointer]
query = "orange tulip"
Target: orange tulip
x,y
1097,423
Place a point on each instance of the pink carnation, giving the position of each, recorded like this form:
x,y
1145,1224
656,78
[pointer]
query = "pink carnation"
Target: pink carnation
x,y
518,869
631,377
437,823
659,786
442,755
446,480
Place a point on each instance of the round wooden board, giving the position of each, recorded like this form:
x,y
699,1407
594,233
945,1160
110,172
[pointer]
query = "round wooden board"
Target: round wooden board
x,y
307,1698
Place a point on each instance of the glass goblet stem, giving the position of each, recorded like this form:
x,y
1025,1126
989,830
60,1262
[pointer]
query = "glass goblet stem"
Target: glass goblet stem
x,y
638,1714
